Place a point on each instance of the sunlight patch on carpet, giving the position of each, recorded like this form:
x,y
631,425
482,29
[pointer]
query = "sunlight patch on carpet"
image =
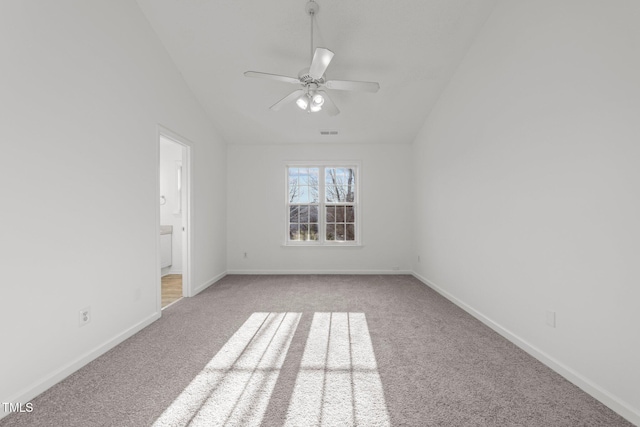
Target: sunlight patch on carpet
x,y
236,385
338,381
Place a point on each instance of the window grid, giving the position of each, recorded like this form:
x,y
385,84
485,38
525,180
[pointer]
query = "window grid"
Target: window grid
x,y
303,222
322,205
303,196
340,223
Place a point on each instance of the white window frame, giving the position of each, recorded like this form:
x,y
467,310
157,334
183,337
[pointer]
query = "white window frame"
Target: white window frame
x,y
322,203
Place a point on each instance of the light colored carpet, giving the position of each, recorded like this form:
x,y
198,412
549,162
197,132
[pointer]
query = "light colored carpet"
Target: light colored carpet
x,y
316,350
338,381
235,386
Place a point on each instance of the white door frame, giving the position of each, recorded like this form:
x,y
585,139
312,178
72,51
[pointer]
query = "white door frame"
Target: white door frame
x,y
187,192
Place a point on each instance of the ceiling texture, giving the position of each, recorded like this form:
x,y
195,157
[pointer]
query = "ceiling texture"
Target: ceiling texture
x,y
412,48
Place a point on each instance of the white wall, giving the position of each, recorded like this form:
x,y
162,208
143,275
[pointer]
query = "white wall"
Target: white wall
x,y
171,211
527,183
257,214
84,86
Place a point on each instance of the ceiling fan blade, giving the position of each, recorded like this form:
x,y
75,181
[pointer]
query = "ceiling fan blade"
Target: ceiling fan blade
x,y
328,105
277,77
321,59
289,98
351,85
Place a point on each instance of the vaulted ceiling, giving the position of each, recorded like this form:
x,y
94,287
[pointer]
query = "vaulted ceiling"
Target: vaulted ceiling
x,y
412,48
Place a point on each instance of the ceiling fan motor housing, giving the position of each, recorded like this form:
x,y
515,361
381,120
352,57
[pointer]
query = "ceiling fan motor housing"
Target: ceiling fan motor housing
x,y
311,7
306,79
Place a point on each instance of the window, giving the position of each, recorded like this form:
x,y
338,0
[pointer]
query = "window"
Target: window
x,y
322,205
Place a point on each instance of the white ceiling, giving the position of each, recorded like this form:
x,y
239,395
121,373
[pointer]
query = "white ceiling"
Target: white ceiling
x,y
410,47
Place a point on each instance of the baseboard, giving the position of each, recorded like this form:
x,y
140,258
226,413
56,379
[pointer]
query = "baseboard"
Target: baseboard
x,y
166,273
208,283
52,379
332,272
613,402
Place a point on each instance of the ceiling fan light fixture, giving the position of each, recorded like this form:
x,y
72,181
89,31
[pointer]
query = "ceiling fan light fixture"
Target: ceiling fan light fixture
x,y
314,108
303,101
317,100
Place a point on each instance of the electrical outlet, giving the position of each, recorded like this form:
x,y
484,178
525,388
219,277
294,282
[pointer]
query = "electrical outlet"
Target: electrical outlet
x,y
246,255
84,316
551,318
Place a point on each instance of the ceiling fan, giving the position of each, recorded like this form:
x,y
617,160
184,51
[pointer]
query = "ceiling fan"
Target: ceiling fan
x,y
311,97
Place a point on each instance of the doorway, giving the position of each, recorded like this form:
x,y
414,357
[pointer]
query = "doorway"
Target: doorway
x,y
174,218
